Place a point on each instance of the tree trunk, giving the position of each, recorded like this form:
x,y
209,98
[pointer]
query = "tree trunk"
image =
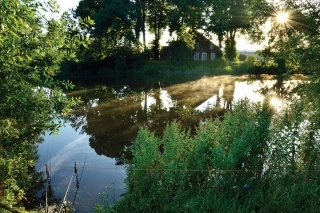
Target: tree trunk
x,y
144,25
156,41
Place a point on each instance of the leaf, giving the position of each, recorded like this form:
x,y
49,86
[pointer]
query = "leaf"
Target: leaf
x,y
15,35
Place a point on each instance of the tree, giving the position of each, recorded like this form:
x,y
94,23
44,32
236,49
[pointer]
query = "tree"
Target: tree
x,y
156,19
186,13
115,33
115,24
32,49
294,42
227,18
87,8
181,48
179,51
141,9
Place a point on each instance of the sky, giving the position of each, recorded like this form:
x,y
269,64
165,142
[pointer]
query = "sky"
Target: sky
x,y
242,44
67,4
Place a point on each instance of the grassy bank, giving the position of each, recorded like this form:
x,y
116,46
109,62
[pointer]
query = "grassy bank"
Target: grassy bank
x,y
216,67
167,68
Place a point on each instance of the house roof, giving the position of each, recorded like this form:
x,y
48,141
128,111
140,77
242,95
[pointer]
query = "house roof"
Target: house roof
x,y
204,42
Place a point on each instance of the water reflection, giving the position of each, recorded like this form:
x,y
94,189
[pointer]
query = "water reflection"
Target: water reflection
x,y
112,116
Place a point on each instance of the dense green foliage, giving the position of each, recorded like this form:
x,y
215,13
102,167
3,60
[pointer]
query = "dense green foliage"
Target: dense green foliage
x,y
32,49
113,31
216,67
179,51
116,28
250,160
228,18
116,33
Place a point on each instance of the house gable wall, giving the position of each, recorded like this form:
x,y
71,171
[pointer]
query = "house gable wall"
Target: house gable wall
x,y
204,46
202,49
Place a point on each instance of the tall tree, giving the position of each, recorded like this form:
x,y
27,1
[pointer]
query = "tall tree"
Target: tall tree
x,y
186,13
157,21
114,28
87,8
229,17
141,13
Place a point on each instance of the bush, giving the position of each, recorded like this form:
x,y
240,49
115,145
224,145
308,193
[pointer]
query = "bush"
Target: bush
x,y
251,59
246,67
179,51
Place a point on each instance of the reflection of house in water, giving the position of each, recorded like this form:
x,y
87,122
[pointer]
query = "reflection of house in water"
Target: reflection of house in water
x,y
223,98
159,98
227,95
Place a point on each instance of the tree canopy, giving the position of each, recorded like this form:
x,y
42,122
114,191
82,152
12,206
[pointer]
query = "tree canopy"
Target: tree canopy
x,y
32,49
224,18
294,42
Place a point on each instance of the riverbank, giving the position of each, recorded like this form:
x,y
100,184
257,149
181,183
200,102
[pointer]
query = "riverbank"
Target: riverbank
x,y
171,69
216,67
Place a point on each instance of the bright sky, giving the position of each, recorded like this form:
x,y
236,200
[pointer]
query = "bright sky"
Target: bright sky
x,y
242,44
67,4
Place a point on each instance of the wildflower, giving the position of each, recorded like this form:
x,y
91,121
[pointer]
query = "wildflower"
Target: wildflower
x,y
246,186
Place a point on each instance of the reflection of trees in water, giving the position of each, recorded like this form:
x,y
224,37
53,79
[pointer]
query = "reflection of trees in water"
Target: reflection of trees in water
x,y
113,121
281,88
112,117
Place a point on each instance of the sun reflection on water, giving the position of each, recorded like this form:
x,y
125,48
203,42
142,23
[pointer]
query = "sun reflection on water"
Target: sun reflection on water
x,y
220,93
276,103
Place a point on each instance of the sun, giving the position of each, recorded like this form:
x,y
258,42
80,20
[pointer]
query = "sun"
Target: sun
x,y
282,17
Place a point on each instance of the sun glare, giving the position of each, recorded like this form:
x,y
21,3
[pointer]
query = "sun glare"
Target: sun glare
x,y
282,17
276,103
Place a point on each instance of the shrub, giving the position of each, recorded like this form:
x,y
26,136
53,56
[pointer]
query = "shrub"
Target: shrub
x,y
174,171
179,51
252,59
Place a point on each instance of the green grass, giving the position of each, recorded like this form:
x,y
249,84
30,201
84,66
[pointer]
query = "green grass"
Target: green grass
x,y
216,67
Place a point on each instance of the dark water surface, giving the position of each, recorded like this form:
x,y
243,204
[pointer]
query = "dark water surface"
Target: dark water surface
x,y
100,132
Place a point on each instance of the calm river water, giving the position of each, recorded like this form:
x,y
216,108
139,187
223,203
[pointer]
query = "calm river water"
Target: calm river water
x,y
100,132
